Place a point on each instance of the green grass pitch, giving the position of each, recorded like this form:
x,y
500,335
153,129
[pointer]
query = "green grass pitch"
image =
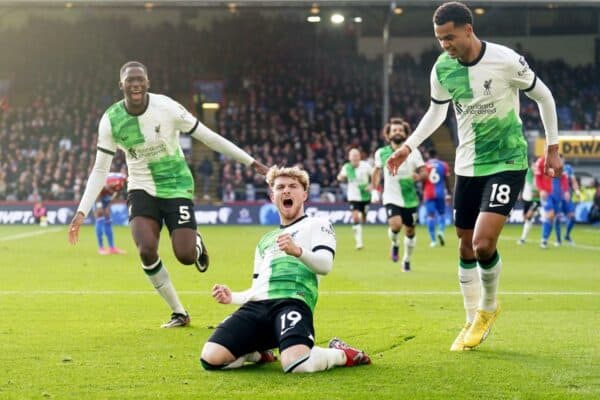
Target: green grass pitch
x,y
77,325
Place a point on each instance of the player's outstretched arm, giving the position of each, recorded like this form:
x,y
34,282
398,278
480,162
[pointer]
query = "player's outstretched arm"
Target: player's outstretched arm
x,y
259,167
433,118
93,187
375,185
320,261
74,227
218,143
553,166
540,93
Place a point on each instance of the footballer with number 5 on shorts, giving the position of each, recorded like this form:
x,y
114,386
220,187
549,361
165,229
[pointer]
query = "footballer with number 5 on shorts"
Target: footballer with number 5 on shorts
x,y
146,126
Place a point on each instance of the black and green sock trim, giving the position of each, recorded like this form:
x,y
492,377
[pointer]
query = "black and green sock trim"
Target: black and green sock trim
x,y
154,270
467,264
491,262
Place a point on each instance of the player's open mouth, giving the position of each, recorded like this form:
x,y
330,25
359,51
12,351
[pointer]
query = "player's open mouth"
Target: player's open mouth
x,y
287,203
136,96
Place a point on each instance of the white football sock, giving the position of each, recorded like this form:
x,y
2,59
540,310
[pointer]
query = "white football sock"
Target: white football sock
x,y
239,362
358,234
490,278
162,283
393,237
470,286
409,246
526,228
319,359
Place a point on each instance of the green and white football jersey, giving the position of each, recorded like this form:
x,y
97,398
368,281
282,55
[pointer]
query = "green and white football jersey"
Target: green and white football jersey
x,y
150,141
485,96
278,275
358,180
399,189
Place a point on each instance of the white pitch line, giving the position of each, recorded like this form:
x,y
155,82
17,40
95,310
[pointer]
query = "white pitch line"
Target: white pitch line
x,y
29,234
325,292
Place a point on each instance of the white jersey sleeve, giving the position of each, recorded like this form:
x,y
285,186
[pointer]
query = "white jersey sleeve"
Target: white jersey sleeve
x,y
323,236
518,72
185,122
439,94
105,136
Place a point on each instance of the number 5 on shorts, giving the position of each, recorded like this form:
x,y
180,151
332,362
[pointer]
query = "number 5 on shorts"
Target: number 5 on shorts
x,y
184,215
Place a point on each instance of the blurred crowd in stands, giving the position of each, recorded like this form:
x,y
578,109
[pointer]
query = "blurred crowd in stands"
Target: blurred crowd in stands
x,y
288,99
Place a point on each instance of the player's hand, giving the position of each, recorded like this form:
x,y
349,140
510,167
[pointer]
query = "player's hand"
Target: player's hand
x,y
74,227
375,196
397,158
286,244
222,294
553,167
260,167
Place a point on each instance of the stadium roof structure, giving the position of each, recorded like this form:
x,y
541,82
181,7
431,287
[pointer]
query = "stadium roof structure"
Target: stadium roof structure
x,y
294,3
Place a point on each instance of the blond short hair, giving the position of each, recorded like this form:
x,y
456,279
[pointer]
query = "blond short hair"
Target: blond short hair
x,y
292,172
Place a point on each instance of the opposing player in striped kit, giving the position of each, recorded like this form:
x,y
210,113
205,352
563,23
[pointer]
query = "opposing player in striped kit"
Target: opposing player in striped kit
x,y
146,126
277,310
436,190
482,80
358,175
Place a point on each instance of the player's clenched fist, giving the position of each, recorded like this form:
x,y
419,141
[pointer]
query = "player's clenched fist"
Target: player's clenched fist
x,y
222,294
286,244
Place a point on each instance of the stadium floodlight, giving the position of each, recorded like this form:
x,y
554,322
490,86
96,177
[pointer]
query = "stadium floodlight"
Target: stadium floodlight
x,y
69,5
479,11
314,9
358,20
313,19
398,10
337,18
210,106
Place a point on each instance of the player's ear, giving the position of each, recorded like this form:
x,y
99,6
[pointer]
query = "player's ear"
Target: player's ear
x,y
305,196
148,84
468,29
120,84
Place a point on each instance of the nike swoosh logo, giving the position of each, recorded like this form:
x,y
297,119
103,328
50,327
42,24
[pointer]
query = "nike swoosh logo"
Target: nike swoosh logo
x,y
492,205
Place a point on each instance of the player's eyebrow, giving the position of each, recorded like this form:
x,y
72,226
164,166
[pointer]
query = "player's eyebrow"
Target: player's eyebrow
x,y
445,37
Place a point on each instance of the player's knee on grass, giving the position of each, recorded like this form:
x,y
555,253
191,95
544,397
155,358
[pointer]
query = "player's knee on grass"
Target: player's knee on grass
x,y
214,356
294,356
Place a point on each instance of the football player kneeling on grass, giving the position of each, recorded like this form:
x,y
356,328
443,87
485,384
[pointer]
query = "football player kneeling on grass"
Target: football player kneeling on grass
x,y
277,311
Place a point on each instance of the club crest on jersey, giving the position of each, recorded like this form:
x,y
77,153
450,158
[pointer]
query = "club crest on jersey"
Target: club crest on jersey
x,y
157,128
487,87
